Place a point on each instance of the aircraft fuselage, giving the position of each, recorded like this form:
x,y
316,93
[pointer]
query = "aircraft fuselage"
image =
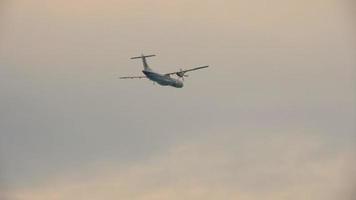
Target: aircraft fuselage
x,y
164,80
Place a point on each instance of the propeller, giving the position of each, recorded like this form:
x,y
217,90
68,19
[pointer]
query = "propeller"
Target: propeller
x,y
181,74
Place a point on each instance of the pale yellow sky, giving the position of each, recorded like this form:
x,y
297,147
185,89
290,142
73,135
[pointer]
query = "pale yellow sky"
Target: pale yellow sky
x,y
273,117
216,167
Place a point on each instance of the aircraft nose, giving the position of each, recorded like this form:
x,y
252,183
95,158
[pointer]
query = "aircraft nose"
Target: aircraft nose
x,y
179,84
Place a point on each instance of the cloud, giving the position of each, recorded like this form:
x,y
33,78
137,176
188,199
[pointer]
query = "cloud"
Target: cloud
x,y
235,166
277,66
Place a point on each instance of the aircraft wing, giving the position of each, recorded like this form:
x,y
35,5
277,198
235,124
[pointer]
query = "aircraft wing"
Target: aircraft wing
x,y
132,77
181,73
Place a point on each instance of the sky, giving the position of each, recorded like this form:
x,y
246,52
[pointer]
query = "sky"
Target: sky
x,y
273,117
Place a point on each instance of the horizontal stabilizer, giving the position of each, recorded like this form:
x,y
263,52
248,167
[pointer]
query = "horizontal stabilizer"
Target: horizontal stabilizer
x,y
143,56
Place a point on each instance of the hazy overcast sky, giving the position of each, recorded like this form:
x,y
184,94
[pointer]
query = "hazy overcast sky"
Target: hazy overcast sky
x,y
272,118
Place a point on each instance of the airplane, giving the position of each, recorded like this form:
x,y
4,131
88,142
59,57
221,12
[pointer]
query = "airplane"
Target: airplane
x,y
162,79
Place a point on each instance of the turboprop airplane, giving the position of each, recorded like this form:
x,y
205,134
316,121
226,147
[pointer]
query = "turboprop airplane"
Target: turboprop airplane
x,y
162,79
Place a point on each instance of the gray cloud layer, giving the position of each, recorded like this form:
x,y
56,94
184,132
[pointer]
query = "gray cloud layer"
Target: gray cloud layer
x,y
281,89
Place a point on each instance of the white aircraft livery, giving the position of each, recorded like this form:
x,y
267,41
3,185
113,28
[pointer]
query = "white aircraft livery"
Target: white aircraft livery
x,y
162,79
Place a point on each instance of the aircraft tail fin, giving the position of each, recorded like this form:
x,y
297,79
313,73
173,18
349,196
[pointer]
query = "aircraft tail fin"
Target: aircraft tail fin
x,y
143,57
